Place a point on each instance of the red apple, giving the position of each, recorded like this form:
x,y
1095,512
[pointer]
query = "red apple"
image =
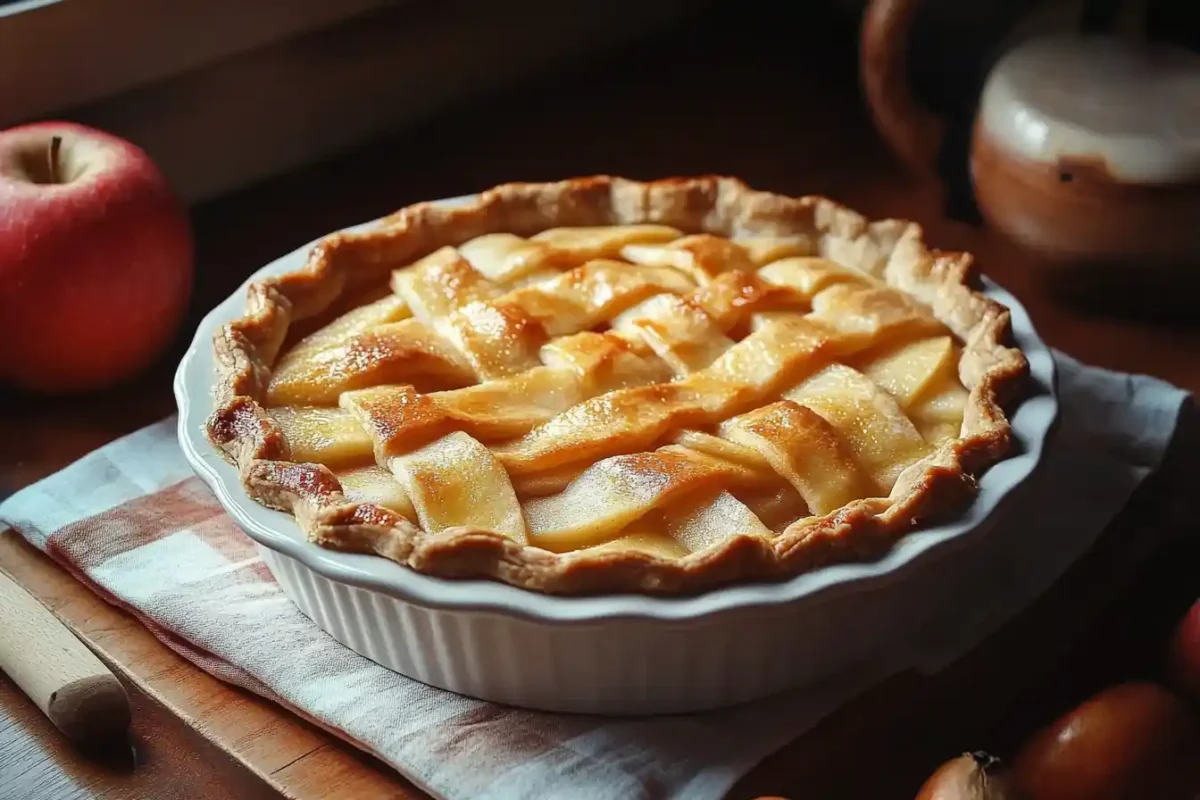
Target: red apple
x,y
1133,741
1184,659
95,258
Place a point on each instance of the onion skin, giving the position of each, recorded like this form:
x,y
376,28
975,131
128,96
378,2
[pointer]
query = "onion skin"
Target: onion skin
x,y
971,776
1134,741
1184,656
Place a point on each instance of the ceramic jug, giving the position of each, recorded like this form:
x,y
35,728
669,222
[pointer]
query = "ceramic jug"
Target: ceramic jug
x,y
1084,149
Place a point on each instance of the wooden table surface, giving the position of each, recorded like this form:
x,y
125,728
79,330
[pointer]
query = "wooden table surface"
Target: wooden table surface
x,y
725,94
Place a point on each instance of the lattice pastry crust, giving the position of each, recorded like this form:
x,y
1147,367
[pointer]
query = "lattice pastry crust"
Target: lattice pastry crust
x,y
604,385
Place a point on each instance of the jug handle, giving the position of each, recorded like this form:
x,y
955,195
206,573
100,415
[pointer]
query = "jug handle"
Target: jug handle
x,y
912,131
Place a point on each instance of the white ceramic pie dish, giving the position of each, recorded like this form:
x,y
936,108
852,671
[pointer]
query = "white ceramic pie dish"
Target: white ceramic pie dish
x,y
632,654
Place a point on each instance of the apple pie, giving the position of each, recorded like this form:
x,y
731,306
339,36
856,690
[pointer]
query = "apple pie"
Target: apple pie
x,y
604,385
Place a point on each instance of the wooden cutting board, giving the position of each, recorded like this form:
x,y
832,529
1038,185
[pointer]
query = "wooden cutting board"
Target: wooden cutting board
x,y
192,736
195,737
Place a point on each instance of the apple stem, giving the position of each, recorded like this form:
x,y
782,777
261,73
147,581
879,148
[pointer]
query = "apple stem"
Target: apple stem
x,y
55,146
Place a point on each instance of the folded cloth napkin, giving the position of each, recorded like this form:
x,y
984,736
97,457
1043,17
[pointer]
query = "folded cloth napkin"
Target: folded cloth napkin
x,y
134,525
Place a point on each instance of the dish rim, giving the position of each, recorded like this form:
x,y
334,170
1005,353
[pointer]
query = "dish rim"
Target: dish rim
x,y
1031,422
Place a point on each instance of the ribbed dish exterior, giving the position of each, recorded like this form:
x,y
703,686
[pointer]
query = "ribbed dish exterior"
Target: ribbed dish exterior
x,y
629,666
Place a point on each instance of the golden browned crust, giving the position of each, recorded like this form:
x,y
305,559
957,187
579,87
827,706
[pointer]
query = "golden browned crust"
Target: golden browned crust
x,y
890,249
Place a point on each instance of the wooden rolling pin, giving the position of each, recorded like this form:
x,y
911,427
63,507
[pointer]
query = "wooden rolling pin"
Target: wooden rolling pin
x,y
68,683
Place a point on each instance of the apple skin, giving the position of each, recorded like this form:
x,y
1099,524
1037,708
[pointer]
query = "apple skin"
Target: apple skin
x,y
1184,654
1133,741
96,269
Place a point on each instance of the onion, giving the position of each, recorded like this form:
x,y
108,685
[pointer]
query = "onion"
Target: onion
x,y
971,776
1184,658
1135,741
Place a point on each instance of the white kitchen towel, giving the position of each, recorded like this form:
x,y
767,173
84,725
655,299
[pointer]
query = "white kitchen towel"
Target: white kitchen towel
x,y
132,522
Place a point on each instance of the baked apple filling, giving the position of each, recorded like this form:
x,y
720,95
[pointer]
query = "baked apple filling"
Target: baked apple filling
x,y
623,388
